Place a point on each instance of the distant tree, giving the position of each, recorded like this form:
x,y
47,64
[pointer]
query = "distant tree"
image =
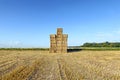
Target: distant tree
x,y
104,44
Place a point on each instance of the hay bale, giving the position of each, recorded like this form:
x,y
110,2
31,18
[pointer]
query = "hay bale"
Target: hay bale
x,y
58,43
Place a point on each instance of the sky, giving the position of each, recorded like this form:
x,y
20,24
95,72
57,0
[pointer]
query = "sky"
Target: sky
x,y
28,23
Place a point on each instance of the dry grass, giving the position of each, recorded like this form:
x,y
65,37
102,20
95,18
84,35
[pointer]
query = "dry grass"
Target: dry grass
x,y
40,65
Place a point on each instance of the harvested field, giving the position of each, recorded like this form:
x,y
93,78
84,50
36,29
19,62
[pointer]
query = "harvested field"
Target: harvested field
x,y
42,65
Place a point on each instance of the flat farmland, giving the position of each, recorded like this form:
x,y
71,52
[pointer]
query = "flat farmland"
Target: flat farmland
x,y
42,65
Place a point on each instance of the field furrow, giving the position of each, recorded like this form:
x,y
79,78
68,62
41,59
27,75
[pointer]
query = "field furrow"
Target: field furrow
x,y
62,69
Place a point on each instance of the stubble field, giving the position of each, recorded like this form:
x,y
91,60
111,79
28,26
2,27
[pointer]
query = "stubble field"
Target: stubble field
x,y
42,65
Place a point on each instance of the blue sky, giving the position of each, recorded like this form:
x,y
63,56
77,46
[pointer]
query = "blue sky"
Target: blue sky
x,y
28,23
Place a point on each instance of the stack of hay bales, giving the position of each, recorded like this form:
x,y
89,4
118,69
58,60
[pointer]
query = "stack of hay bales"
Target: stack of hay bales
x,y
59,40
64,43
58,43
53,43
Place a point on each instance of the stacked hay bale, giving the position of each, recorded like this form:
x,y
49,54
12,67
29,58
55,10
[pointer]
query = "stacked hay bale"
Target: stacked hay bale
x,y
64,43
52,43
58,43
59,40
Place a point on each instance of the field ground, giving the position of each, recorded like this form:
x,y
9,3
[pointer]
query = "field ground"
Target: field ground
x,y
40,65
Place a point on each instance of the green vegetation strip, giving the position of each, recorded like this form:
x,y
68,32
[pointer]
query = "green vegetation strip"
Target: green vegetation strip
x,y
71,49
100,48
45,49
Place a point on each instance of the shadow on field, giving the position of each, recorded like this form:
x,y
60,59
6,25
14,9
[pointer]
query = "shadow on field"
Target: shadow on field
x,y
73,50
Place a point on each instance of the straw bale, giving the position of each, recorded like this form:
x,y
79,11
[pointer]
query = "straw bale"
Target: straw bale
x,y
64,39
64,45
65,36
59,39
59,33
58,43
52,35
59,30
59,36
53,42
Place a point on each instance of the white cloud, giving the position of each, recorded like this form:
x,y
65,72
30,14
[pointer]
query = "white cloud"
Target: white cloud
x,y
103,34
108,36
11,44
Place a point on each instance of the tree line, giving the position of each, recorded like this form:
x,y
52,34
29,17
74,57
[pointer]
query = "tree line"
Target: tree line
x,y
103,44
